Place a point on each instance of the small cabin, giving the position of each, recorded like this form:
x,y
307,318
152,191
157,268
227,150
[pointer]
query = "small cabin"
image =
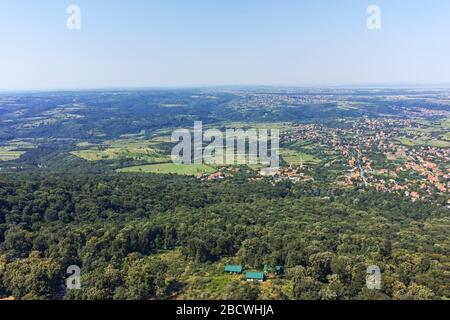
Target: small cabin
x,y
255,276
279,270
234,269
267,269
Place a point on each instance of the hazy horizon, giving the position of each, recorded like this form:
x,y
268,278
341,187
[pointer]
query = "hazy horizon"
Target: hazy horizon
x,y
406,86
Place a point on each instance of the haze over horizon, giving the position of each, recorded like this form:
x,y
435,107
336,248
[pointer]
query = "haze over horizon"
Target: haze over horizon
x,y
202,43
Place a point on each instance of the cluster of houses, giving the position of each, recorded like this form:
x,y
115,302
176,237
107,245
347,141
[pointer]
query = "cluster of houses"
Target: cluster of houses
x,y
260,276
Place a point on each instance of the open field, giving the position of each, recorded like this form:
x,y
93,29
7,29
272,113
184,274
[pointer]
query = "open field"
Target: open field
x,y
14,150
8,154
133,135
430,129
429,134
282,126
171,168
86,144
446,123
145,150
424,142
293,157
446,136
21,144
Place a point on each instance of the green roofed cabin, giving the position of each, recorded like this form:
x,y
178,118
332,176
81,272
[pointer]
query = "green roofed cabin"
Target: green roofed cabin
x,y
234,269
279,270
255,276
267,269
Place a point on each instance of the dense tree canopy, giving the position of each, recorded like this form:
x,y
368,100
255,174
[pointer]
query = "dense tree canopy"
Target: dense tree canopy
x,y
115,226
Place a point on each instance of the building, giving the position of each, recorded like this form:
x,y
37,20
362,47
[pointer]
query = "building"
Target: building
x,y
255,276
279,270
234,269
267,269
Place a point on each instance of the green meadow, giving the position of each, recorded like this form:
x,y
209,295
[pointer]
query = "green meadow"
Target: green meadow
x,y
293,157
424,142
446,123
8,154
446,136
143,150
14,150
171,168
282,126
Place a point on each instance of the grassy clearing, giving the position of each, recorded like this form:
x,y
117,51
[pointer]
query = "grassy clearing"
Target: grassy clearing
x,y
446,123
143,150
433,134
438,143
14,150
304,144
282,126
446,136
199,280
171,168
133,135
7,154
208,280
22,144
424,142
293,157
86,144
422,130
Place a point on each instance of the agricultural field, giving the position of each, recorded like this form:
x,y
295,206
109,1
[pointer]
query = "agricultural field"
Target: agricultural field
x,y
14,150
8,154
293,157
411,142
171,168
52,116
140,134
433,134
446,136
142,150
446,123
258,125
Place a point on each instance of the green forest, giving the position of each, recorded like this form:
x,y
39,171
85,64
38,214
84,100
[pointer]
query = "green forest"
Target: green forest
x,y
146,236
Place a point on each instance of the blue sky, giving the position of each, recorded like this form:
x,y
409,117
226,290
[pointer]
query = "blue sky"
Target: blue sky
x,y
148,43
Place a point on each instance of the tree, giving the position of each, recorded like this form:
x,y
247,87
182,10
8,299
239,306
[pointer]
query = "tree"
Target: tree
x,y
305,287
32,278
145,279
237,290
333,290
413,292
18,241
385,249
254,252
321,264
2,270
98,284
